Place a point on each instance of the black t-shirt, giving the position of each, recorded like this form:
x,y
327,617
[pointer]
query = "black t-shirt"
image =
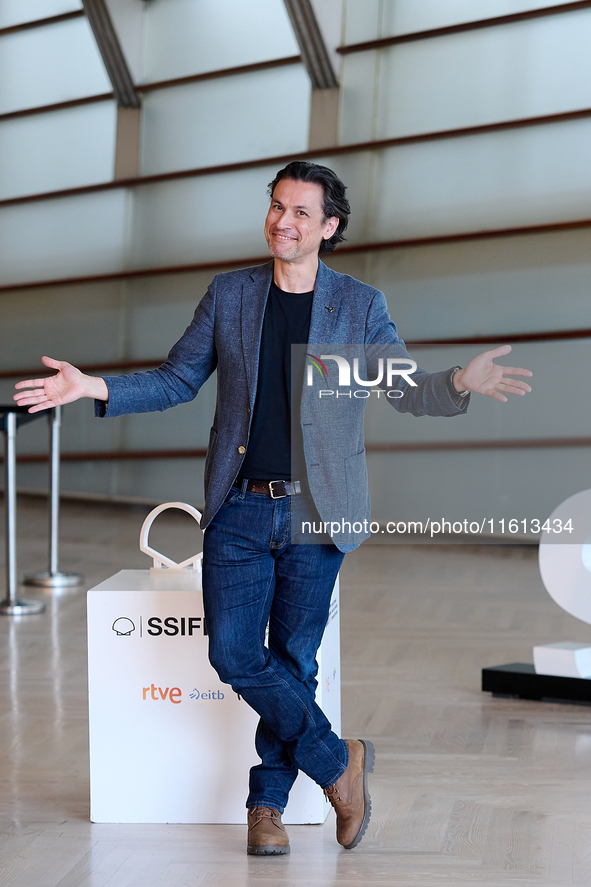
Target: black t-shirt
x,y
269,453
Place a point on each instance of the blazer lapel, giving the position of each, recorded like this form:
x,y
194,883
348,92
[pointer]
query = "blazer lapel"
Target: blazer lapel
x,y
325,307
252,310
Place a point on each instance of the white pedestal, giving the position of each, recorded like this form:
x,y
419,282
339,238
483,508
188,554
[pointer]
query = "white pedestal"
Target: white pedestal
x,y
168,741
567,660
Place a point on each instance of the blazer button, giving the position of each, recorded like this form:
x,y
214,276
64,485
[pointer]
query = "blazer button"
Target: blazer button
x,y
242,450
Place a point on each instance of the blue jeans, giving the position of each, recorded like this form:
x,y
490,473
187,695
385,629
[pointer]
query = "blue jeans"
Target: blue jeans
x,y
254,574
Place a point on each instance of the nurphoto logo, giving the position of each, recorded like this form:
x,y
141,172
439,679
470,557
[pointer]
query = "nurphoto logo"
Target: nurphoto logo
x,y
386,371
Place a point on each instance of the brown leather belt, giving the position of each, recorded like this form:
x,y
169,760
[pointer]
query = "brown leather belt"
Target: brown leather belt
x,y
276,489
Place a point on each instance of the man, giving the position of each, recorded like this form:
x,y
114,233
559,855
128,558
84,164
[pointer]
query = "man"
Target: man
x,y
258,484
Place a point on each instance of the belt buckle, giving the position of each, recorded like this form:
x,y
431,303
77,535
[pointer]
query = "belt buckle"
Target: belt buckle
x,y
271,482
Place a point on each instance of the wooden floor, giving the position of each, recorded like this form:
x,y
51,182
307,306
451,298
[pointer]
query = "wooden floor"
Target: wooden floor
x,y
467,789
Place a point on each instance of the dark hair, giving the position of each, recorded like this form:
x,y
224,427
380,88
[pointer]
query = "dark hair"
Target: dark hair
x,y
335,202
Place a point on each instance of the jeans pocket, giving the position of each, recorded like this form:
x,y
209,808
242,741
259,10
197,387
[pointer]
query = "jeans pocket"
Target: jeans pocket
x,y
231,496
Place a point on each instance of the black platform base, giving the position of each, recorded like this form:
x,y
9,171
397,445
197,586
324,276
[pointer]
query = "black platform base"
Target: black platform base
x,y
519,680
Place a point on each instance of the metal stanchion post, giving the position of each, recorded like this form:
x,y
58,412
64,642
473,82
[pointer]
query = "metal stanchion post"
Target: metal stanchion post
x,y
11,605
54,577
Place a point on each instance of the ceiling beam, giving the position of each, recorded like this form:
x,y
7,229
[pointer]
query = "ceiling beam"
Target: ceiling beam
x,y
112,53
312,46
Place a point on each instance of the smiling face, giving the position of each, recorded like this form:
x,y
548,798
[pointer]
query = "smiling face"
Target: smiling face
x,y
295,225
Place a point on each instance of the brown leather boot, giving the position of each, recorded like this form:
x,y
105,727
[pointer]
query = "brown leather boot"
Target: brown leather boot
x,y
349,795
266,832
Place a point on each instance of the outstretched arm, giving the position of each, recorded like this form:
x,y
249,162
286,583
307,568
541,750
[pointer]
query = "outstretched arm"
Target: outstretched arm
x,y
67,385
485,377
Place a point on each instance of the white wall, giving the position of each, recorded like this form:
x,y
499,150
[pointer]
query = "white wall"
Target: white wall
x,y
15,12
42,66
491,287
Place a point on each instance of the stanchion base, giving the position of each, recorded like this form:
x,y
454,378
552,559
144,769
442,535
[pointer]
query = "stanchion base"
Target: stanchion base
x,y
54,580
21,607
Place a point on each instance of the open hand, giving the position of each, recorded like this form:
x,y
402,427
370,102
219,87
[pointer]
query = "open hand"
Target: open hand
x,y
485,377
67,385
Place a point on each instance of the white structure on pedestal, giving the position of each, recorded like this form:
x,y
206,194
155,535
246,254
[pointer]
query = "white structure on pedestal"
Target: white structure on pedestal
x,y
168,741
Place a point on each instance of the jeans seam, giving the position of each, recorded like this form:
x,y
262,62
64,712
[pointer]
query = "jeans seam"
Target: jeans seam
x,y
284,682
274,546
313,723
262,643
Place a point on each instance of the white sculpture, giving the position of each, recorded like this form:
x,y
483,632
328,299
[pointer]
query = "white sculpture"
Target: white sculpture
x,y
565,567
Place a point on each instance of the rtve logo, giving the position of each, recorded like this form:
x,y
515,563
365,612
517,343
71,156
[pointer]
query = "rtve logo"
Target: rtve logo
x,y
174,694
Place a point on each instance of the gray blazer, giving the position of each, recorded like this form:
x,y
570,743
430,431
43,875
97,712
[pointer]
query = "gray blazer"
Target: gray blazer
x,y
225,334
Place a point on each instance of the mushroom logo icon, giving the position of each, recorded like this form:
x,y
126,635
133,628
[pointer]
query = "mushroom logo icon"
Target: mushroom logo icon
x,y
123,626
